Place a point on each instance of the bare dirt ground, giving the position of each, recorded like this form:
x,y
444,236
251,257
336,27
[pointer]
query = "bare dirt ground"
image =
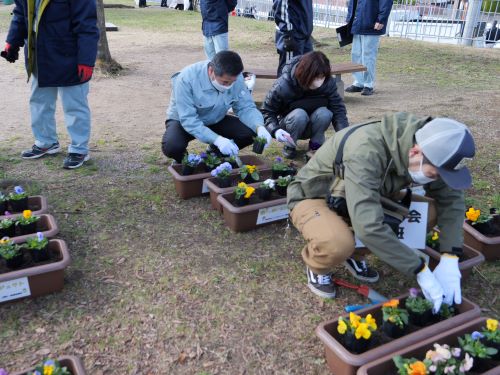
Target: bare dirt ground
x,y
161,286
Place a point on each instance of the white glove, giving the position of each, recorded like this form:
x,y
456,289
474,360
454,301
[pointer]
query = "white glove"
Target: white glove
x,y
280,135
226,146
448,275
431,288
262,132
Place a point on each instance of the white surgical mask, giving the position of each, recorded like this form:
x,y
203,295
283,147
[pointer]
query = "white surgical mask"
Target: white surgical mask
x,y
316,84
419,177
220,87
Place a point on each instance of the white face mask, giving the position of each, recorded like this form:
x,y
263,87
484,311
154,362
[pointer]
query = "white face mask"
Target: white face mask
x,y
419,177
316,84
220,87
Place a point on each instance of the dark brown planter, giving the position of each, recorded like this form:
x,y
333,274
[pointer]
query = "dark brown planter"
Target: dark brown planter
x,y
192,186
215,190
74,365
47,225
488,246
342,362
255,214
43,278
471,258
385,365
37,204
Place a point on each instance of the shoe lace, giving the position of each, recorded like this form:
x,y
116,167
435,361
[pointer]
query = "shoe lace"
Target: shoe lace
x,y
324,279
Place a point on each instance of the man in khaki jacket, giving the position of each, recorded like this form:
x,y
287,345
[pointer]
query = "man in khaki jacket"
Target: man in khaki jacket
x,y
379,159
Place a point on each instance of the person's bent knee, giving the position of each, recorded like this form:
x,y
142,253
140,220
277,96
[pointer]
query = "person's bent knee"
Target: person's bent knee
x,y
322,114
298,116
331,252
172,149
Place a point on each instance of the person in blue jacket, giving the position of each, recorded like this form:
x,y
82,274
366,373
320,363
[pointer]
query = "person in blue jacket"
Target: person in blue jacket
x,y
60,48
294,27
369,23
202,94
215,15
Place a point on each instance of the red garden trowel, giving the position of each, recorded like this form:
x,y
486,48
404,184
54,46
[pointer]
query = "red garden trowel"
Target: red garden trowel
x,y
364,290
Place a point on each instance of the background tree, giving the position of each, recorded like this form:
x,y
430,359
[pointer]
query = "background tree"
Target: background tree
x,y
105,62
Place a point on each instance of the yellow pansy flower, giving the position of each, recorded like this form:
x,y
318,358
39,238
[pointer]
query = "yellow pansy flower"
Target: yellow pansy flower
x,y
27,214
391,303
4,241
492,325
473,214
363,331
371,322
242,185
250,190
48,370
435,236
354,319
342,327
251,168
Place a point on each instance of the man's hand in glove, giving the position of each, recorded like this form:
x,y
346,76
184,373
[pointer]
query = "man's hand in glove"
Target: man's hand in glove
x,y
85,72
289,42
11,54
448,275
262,132
226,146
431,288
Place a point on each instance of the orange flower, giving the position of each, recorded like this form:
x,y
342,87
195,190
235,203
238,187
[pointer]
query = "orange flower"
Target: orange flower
x,y
391,303
27,214
473,214
417,368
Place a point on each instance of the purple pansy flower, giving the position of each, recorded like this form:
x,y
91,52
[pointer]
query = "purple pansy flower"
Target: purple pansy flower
x,y
18,190
413,292
3,372
476,335
49,362
39,235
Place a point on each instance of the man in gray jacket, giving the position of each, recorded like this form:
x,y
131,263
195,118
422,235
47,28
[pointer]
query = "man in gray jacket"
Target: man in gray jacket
x,y
379,159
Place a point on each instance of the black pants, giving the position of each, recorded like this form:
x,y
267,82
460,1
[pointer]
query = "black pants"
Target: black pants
x,y
302,46
176,139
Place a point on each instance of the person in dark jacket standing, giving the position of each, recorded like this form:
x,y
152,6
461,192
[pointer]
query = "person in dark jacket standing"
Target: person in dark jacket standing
x,y
303,102
60,48
294,27
369,23
215,15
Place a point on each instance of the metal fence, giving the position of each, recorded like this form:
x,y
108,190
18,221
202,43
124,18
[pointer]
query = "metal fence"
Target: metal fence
x,y
468,22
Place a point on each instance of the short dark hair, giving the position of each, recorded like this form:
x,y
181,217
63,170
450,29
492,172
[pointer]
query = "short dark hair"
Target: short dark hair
x,y
311,66
226,62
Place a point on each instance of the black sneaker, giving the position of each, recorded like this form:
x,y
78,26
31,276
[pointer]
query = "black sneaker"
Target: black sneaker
x,y
361,271
37,152
73,160
367,91
321,285
353,88
289,152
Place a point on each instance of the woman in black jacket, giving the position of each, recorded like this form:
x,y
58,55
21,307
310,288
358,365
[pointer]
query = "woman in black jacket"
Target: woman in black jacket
x,y
303,102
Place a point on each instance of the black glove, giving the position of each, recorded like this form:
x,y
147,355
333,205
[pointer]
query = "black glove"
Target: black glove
x,y
289,43
11,54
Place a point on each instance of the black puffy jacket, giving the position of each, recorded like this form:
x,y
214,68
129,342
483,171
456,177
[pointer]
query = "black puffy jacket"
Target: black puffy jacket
x,y
286,95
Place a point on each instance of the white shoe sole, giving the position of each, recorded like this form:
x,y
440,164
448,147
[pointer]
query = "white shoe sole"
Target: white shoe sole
x,y
362,278
50,152
320,293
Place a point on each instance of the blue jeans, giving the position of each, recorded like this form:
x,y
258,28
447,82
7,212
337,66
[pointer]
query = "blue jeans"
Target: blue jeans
x,y
216,43
76,115
300,125
364,51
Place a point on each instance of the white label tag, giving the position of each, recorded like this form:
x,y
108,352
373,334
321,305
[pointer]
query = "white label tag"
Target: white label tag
x,y
14,289
269,214
204,188
413,230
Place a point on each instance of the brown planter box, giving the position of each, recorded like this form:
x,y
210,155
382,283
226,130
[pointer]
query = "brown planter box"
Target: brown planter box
x,y
488,246
215,190
253,215
37,204
44,278
192,185
342,362
471,258
47,225
74,365
385,365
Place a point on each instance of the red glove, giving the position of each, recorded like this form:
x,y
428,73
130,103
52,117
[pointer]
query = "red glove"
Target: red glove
x,y
85,72
11,54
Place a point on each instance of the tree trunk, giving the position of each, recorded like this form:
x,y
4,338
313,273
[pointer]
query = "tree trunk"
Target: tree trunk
x,y
104,61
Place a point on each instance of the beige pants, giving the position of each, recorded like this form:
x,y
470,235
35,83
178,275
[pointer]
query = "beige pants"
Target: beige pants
x,y
330,240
